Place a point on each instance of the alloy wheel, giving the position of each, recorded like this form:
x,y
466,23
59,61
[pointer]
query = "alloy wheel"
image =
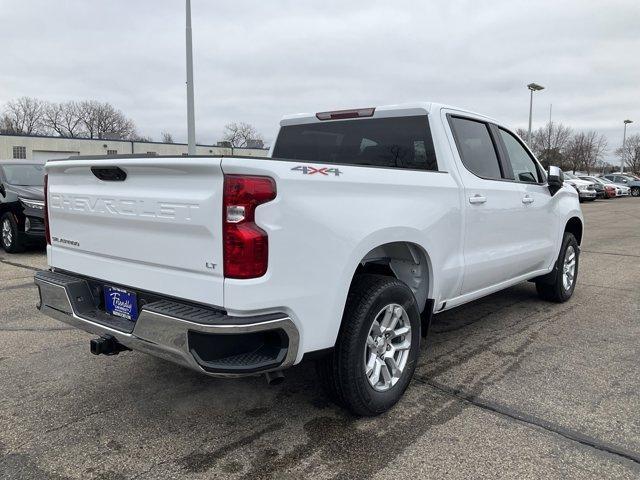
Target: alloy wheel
x,y
7,233
387,349
569,268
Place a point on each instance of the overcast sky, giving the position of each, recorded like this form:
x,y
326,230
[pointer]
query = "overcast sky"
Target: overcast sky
x,y
257,60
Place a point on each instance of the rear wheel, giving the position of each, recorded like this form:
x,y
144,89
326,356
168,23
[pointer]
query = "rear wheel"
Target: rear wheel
x,y
9,234
635,191
377,347
558,286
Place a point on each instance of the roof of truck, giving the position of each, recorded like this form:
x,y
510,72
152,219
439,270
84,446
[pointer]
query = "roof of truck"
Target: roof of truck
x,y
398,110
20,162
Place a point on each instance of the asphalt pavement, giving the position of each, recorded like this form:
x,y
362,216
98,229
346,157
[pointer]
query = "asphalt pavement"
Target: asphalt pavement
x,y
507,387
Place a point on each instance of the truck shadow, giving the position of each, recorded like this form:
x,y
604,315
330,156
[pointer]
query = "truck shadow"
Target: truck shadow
x,y
244,428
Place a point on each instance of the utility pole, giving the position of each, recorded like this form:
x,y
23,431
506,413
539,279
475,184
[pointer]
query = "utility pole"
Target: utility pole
x,y
191,118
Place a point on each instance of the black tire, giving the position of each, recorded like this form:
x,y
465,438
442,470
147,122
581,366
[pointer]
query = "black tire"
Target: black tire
x,y
11,241
552,287
342,373
635,192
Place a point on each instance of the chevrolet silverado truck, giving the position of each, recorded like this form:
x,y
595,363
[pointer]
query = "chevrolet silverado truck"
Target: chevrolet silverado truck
x,y
338,247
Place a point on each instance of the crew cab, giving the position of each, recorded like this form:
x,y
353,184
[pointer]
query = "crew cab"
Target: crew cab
x,y
21,204
338,247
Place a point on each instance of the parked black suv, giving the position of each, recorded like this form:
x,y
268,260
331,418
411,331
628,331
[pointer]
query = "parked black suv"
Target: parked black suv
x,y
21,204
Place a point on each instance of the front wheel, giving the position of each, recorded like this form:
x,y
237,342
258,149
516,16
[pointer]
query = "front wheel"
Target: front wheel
x,y
377,347
635,192
9,234
559,285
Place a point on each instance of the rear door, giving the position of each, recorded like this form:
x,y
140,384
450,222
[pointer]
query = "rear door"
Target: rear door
x,y
492,245
159,229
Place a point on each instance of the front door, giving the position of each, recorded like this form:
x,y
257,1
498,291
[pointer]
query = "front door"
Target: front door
x,y
537,234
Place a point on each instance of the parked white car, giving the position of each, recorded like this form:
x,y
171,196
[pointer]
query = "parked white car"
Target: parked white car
x,y
338,247
585,189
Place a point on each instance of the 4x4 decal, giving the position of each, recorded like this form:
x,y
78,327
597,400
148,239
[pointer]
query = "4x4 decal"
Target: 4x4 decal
x,y
306,170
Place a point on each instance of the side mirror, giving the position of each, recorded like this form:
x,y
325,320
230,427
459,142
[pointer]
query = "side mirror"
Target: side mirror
x,y
555,179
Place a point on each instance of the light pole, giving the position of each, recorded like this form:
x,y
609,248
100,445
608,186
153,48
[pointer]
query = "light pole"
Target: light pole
x,y
624,141
533,87
191,119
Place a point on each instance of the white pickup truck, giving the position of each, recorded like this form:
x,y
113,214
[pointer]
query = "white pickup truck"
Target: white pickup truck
x,y
338,247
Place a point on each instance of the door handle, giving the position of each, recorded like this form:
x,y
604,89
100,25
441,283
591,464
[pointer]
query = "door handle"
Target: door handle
x,y
527,199
477,199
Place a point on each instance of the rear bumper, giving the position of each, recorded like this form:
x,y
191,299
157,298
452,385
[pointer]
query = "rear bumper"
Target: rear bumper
x,y
203,339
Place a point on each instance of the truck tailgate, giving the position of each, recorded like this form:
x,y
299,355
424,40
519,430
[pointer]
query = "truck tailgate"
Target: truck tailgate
x,y
157,230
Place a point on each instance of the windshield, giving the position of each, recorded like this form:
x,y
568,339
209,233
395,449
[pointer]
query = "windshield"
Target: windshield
x,y
570,176
400,142
24,175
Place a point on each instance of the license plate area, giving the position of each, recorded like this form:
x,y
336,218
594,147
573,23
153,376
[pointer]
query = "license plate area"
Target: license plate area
x,y
120,302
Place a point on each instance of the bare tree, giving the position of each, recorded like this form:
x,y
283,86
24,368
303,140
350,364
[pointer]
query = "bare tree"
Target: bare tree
x,y
549,143
64,119
598,147
631,153
103,120
23,116
523,134
240,134
584,150
139,138
167,137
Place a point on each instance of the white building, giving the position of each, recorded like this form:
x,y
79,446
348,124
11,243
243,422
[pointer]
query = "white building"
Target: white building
x,y
43,148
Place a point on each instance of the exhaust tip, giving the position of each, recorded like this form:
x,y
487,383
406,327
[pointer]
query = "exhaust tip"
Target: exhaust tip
x,y
274,378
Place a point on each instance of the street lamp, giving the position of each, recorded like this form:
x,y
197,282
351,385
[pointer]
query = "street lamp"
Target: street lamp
x,y
533,87
191,122
624,140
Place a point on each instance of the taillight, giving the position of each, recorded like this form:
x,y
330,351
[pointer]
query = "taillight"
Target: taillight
x,y
47,233
246,246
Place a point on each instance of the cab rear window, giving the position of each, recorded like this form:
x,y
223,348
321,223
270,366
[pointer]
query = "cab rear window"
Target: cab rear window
x,y
402,142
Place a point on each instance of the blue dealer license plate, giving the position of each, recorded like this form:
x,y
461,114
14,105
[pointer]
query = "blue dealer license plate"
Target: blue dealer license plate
x,y
121,303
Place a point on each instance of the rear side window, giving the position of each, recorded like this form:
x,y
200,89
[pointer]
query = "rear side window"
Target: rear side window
x,y
476,147
402,142
524,167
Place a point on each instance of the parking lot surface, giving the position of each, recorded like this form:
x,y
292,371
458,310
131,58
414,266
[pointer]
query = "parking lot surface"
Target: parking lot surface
x,y
508,386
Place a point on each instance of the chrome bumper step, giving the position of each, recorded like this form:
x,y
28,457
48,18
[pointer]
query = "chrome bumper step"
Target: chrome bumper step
x,y
225,346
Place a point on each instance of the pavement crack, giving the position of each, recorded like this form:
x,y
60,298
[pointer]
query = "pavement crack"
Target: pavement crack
x,y
16,287
532,420
632,290
19,265
611,253
45,329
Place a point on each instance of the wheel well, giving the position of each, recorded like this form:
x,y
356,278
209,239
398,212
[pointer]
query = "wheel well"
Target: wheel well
x,y
406,261
574,226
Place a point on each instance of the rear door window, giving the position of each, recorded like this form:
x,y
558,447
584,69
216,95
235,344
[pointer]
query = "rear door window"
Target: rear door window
x,y
397,142
476,148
